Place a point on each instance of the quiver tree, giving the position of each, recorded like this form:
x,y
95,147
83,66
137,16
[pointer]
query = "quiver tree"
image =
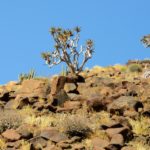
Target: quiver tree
x,y
67,50
146,40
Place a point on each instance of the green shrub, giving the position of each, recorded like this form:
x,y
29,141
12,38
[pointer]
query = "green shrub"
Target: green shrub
x,y
135,68
9,120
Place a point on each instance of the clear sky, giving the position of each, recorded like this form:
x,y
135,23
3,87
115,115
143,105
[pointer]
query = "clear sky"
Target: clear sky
x,y
116,26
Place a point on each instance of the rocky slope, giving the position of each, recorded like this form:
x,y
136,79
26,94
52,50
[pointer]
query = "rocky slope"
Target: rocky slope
x,y
102,109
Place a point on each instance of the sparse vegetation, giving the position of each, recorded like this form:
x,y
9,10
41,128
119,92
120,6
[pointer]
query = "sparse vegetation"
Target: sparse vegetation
x,y
135,68
76,125
9,120
139,145
2,144
25,76
68,51
141,125
43,121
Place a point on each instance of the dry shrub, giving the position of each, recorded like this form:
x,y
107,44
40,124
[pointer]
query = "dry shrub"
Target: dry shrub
x,y
140,126
75,125
135,68
9,119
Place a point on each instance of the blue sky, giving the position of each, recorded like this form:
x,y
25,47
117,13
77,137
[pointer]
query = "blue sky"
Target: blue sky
x,y
115,26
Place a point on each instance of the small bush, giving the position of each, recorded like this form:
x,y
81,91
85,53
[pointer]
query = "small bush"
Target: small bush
x,y
9,120
135,68
76,125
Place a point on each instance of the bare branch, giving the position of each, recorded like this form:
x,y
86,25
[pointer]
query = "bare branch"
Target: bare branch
x,y
67,50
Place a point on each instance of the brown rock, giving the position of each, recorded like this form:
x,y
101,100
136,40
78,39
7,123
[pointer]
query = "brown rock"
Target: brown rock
x,y
124,103
72,104
111,124
130,113
97,142
64,145
78,147
11,135
76,97
18,103
64,110
38,143
124,131
34,88
57,84
117,139
25,132
53,135
113,131
89,91
70,87
60,98
96,103
98,148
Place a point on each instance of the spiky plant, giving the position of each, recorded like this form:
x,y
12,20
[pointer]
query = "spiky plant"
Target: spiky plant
x,y
24,76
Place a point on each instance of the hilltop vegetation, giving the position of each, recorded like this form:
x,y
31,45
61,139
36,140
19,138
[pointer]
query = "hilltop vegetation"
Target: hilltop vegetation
x,y
103,108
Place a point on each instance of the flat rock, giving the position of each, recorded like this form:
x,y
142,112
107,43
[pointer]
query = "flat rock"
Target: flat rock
x,y
124,103
53,135
97,142
117,139
34,88
11,135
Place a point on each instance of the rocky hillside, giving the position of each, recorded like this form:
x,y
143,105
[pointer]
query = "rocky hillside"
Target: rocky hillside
x,y
102,109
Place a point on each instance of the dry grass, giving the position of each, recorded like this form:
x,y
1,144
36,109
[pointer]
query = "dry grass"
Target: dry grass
x,y
40,121
25,145
27,110
120,67
2,144
141,126
139,145
9,120
75,125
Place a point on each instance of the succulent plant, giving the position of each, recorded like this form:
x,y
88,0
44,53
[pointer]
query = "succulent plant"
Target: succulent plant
x,y
68,51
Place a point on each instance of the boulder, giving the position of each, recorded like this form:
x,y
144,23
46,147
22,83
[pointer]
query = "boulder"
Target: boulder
x,y
97,103
124,131
124,103
18,103
97,142
53,135
60,98
117,139
57,84
34,88
25,132
11,135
